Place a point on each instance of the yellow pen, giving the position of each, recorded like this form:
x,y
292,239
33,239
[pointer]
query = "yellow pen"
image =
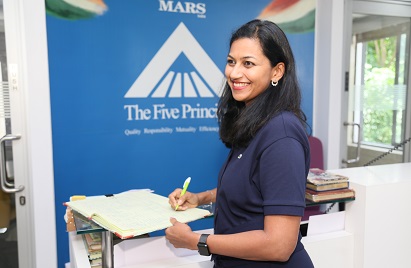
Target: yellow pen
x,y
185,186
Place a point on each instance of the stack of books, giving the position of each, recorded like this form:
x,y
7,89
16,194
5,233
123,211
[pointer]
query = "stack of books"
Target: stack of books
x,y
92,242
325,186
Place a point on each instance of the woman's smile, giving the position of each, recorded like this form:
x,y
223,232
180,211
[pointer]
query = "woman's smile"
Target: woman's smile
x,y
239,85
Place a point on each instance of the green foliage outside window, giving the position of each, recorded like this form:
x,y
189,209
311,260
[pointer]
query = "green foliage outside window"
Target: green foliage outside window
x,y
379,97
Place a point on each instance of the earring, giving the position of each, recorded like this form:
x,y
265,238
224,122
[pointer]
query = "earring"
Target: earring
x,y
274,84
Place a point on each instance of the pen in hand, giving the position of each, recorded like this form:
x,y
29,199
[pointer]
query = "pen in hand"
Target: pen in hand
x,y
185,186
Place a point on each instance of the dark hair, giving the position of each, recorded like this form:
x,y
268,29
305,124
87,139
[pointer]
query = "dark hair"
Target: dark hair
x,y
239,123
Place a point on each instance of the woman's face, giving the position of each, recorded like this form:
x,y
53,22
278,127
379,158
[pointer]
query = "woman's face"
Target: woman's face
x,y
248,70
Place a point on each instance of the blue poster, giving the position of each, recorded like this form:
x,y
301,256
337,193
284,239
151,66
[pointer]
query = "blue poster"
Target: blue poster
x,y
135,86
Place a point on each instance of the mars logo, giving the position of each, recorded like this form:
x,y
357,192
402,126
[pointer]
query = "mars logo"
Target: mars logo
x,y
186,7
158,81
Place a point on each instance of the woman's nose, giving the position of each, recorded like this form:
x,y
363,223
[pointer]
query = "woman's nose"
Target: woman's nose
x,y
235,72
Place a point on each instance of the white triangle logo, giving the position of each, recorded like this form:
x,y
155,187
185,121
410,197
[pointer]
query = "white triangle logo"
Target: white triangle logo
x,y
177,85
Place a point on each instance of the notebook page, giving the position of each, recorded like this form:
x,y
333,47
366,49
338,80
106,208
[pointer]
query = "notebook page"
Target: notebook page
x,y
135,213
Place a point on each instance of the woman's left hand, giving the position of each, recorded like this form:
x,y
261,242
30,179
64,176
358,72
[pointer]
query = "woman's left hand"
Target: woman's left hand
x,y
180,235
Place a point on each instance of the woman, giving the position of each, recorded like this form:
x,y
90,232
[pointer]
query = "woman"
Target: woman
x,y
261,188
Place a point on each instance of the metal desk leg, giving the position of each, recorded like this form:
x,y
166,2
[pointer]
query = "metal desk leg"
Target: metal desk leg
x,y
107,249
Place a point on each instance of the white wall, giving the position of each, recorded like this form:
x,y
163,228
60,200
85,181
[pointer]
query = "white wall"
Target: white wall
x,y
329,95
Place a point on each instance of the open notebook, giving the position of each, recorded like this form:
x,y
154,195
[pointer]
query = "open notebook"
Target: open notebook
x,y
133,213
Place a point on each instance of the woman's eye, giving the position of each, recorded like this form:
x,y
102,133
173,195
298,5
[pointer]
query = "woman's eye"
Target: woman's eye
x,y
230,62
248,64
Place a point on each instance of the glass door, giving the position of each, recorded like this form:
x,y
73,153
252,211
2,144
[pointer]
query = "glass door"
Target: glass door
x,y
379,77
27,212
8,221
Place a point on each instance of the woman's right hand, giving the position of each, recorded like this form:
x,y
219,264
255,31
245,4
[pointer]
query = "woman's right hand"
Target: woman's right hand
x,y
188,200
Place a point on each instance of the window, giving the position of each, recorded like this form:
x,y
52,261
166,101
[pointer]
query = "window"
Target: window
x,y
380,82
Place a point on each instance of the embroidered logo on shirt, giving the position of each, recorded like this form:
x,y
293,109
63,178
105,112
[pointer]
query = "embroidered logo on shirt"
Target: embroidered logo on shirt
x,y
239,156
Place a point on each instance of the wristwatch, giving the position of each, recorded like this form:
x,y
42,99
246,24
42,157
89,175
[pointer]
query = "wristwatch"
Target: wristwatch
x,y
202,245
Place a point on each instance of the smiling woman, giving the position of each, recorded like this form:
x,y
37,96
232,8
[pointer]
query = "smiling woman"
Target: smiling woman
x,y
249,71
260,67
260,195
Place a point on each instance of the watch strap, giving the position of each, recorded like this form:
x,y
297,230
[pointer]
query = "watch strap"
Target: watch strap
x,y
203,238
202,245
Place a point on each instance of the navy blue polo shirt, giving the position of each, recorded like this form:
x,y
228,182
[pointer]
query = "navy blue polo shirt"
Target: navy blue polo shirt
x,y
268,177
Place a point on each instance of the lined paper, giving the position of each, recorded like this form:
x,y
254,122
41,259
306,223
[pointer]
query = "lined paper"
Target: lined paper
x,y
133,213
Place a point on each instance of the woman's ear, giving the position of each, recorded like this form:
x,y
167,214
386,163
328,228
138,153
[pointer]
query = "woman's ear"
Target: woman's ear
x,y
278,72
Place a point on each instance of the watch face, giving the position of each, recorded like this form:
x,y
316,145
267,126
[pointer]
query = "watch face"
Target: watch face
x,y
203,250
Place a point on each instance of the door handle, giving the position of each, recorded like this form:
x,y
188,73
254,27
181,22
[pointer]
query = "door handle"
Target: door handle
x,y
357,159
5,186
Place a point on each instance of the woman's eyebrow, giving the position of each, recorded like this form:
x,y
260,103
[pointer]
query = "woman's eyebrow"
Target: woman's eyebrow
x,y
243,58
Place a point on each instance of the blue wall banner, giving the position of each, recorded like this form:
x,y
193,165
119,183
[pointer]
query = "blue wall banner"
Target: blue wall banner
x,y
135,86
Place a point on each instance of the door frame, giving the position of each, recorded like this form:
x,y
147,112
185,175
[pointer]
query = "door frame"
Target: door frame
x,y
394,10
27,61
332,53
329,77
